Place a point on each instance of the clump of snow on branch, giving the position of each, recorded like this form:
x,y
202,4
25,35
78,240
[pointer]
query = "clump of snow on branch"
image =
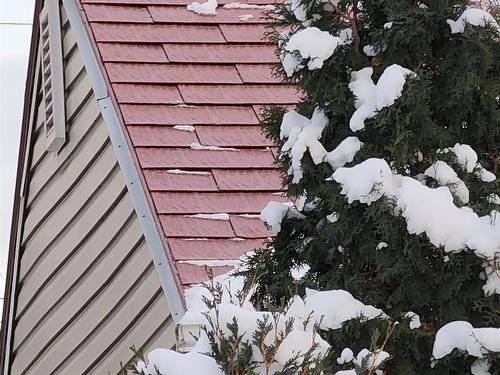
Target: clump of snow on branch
x,y
299,271
303,134
346,356
310,43
333,307
372,360
474,17
485,175
467,159
344,153
466,156
426,210
477,342
298,8
414,320
446,176
274,213
371,98
206,8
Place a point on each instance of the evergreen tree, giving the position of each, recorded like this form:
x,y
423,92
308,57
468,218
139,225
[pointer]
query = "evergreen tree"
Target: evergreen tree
x,y
450,97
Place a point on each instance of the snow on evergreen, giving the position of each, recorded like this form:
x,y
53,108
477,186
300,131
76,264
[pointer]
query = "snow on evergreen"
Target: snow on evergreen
x,y
310,43
472,16
292,335
391,176
371,98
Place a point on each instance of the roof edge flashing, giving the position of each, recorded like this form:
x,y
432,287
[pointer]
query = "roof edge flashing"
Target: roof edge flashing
x,y
127,163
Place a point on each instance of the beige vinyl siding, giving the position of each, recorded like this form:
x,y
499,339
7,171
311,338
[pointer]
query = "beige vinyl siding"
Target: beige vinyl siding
x,y
88,289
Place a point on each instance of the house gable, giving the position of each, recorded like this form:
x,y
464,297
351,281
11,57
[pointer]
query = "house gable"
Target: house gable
x,y
164,168
86,288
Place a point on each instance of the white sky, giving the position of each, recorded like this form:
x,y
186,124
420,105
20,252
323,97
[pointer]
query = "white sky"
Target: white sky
x,y
14,50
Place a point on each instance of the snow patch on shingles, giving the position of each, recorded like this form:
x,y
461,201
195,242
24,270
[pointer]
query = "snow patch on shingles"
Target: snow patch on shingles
x,y
212,262
313,44
187,128
237,5
206,8
250,216
199,147
446,176
462,335
220,216
181,171
237,239
472,16
371,98
245,17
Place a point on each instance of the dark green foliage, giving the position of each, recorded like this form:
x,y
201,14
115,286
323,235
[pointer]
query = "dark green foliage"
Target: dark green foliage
x,y
454,100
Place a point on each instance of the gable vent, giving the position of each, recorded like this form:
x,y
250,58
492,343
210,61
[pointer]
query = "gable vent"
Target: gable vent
x,y
52,76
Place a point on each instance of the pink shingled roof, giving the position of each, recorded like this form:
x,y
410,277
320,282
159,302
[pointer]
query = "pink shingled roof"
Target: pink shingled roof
x,y
168,66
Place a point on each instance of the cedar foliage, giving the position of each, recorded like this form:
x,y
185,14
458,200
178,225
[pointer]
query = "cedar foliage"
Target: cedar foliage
x,y
454,100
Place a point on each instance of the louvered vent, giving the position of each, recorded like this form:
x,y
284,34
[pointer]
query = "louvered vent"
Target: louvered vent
x,y
52,75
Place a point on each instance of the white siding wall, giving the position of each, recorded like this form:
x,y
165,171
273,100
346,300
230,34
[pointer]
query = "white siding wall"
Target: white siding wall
x,y
87,289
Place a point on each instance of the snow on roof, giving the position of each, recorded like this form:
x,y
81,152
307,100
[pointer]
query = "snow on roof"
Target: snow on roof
x,y
169,67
